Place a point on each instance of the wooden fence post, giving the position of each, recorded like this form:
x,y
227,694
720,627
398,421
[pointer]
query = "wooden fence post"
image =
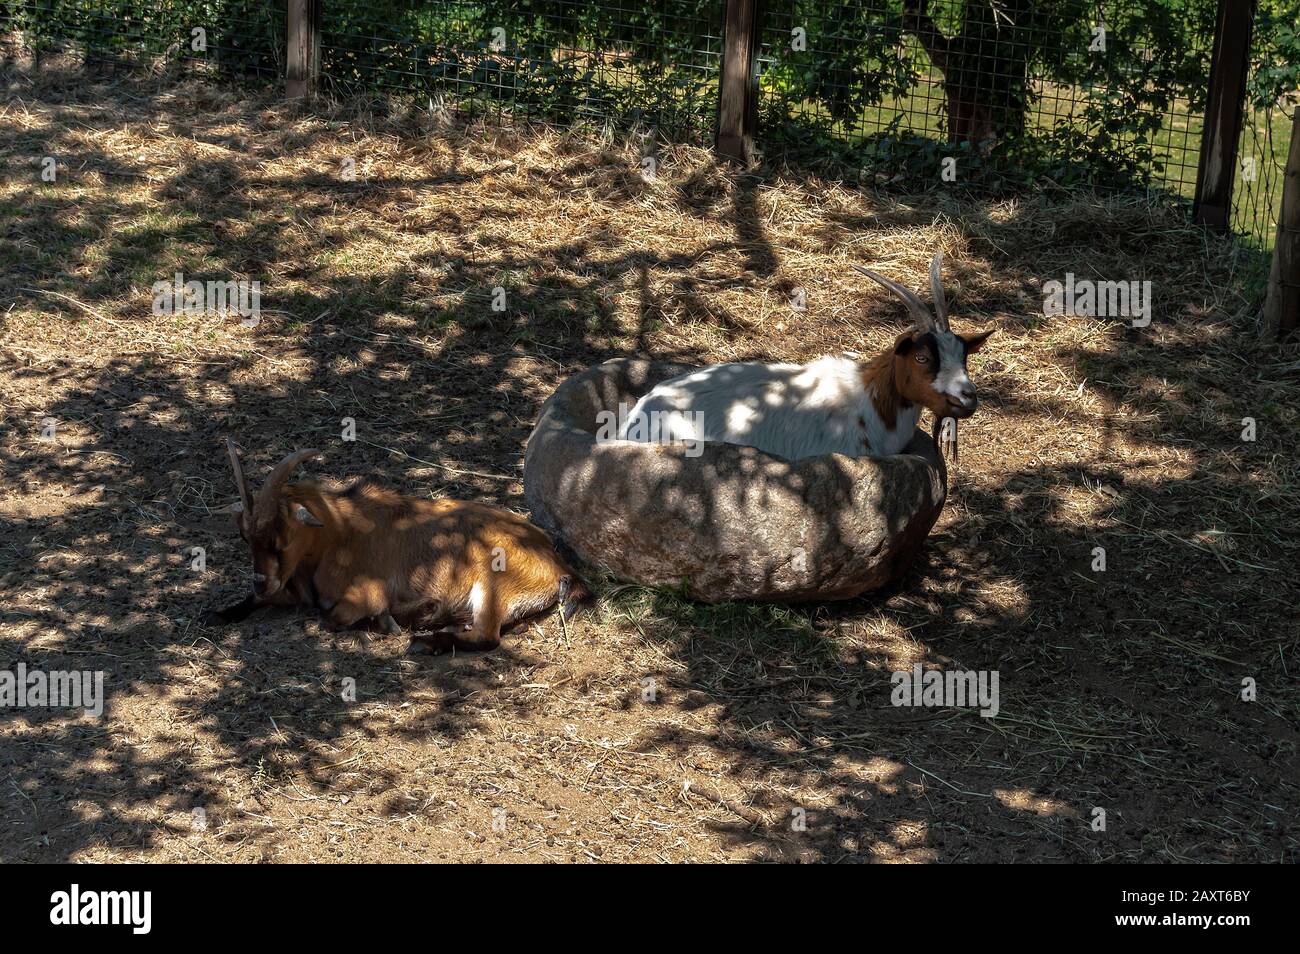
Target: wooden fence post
x,y
302,58
1282,306
738,87
1223,108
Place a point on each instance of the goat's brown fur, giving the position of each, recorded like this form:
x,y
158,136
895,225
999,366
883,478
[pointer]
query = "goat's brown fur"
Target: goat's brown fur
x,y
904,375
458,572
879,378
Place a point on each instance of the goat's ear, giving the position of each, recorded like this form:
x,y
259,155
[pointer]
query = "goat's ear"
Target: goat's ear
x,y
975,342
904,343
305,516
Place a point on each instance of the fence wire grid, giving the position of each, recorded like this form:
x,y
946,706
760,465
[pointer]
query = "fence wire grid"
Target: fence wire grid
x,y
1016,94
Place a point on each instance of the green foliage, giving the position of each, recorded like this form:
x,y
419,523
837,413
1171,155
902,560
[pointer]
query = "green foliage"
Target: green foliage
x,y
1060,104
1027,75
242,36
624,66
1275,72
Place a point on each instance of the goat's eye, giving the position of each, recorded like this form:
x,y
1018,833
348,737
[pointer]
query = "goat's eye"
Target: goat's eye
x,y
922,358
259,577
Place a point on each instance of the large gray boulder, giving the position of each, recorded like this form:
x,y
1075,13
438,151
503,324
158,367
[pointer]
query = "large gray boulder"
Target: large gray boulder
x,y
732,523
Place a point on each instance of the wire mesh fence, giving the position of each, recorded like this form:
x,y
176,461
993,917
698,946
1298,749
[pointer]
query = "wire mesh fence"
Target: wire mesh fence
x,y
237,37
622,63
1062,92
1003,94
1257,191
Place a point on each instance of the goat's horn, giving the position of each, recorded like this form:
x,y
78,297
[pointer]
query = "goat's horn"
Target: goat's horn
x,y
917,307
245,498
265,508
936,291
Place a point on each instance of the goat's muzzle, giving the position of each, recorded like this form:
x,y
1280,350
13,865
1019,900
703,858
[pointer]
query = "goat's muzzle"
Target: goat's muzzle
x,y
964,406
264,587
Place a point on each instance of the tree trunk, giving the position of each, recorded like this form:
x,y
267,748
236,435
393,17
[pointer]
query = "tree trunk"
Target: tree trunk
x,y
970,117
984,67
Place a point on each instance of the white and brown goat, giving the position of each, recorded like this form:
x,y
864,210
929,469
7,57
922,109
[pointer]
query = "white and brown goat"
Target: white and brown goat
x,y
833,405
456,573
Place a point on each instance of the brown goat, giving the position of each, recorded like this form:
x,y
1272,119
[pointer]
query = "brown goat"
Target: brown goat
x,y
458,572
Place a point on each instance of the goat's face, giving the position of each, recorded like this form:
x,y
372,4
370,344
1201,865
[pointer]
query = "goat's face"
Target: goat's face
x,y
279,546
930,361
930,370
276,525
268,545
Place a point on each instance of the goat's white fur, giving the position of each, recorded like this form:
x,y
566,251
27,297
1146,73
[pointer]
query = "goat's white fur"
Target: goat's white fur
x,y
789,410
951,379
804,410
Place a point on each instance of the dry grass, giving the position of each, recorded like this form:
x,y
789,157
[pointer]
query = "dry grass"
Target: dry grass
x,y
1118,689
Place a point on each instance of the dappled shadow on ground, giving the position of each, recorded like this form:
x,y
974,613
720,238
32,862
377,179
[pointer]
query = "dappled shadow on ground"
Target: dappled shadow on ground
x,y
1119,689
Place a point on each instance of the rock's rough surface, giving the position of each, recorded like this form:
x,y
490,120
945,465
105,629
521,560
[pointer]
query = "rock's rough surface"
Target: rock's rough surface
x,y
732,522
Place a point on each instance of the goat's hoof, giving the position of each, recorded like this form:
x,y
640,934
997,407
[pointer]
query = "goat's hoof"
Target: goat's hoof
x,y
418,648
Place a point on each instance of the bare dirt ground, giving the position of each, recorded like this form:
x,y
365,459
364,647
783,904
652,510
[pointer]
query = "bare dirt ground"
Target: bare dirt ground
x,y
1119,689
